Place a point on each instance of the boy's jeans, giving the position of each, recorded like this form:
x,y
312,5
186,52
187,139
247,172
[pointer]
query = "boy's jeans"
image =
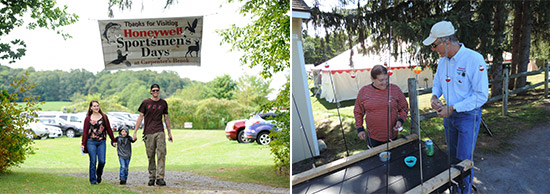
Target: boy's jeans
x,y
124,163
461,130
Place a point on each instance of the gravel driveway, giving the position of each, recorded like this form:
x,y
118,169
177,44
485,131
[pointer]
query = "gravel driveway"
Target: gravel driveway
x,y
524,169
184,182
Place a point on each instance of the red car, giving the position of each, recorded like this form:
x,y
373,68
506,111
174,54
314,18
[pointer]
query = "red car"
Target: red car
x,y
235,131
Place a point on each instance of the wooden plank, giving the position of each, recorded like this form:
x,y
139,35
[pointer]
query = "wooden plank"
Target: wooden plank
x,y
312,173
440,179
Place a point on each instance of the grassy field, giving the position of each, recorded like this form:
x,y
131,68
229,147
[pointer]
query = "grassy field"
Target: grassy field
x,y
524,112
202,152
55,105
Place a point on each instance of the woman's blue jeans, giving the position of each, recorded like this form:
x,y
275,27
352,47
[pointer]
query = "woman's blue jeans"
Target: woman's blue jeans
x,y
96,151
124,163
461,130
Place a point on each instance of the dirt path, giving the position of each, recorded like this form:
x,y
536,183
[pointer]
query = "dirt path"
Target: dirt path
x,y
184,182
524,169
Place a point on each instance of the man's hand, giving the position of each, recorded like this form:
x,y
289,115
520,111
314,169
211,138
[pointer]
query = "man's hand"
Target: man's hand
x,y
135,135
362,135
445,111
114,144
436,103
170,137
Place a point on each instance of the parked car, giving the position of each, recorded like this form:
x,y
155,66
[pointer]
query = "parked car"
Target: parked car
x,y
234,130
122,119
116,123
69,130
258,129
55,132
76,119
38,130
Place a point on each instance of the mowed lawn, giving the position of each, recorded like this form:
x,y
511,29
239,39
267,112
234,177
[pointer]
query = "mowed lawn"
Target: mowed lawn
x,y
55,105
202,152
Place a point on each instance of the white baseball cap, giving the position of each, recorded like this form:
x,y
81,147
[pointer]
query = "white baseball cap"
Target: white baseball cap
x,y
440,29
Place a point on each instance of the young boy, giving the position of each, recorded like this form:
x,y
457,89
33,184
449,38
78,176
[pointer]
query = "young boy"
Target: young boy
x,y
124,149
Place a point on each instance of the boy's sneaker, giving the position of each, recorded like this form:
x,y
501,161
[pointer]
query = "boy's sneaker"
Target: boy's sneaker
x,y
160,182
122,182
98,179
151,182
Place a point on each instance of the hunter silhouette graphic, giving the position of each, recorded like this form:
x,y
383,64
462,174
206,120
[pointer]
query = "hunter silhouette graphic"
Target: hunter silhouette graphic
x,y
107,35
121,59
190,27
193,48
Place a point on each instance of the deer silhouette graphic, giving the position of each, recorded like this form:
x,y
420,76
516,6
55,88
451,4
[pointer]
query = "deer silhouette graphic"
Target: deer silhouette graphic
x,y
193,48
190,27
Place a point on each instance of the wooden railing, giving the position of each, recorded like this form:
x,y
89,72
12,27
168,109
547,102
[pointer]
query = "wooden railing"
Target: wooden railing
x,y
416,117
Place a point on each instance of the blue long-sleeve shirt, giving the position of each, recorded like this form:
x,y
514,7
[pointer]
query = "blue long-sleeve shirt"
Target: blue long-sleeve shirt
x,y
468,87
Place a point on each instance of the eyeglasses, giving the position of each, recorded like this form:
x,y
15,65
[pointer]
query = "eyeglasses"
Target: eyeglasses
x,y
435,45
383,79
155,90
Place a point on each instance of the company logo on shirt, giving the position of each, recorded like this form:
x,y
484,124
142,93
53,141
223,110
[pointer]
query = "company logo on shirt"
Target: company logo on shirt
x,y
461,71
154,107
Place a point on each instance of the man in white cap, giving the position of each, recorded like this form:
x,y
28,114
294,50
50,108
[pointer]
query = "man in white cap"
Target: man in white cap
x,y
461,78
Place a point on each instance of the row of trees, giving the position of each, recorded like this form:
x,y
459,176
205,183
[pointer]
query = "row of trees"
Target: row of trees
x,y
490,27
129,88
60,85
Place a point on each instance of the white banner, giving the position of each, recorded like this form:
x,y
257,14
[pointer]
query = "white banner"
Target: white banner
x,y
134,43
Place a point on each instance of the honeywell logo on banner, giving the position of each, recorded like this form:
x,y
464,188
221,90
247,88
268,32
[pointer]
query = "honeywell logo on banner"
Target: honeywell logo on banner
x,y
134,43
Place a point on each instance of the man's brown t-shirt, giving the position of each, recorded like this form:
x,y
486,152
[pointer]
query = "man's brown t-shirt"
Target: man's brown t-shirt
x,y
152,115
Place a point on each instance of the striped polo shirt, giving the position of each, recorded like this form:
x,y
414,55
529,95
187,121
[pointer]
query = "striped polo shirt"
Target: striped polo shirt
x,y
372,105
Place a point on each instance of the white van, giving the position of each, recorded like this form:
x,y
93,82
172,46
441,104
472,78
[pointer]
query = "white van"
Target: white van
x,y
76,119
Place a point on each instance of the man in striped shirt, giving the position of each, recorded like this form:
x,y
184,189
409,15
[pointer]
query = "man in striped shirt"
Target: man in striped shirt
x,y
372,106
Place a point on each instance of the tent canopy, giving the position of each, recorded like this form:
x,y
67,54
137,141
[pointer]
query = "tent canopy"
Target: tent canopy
x,y
338,81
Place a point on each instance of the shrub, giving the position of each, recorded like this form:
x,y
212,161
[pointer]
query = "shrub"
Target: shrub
x,y
280,146
14,144
181,111
211,113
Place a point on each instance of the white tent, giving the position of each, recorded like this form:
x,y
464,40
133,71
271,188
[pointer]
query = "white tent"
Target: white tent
x,y
338,76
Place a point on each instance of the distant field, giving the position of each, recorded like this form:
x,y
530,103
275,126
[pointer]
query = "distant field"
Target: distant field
x,y
55,105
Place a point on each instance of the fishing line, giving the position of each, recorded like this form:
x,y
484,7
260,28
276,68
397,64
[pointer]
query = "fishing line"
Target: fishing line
x,y
303,130
338,110
388,116
419,148
448,132
337,103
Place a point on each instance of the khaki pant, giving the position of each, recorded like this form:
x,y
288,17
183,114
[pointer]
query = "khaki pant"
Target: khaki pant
x,y
156,144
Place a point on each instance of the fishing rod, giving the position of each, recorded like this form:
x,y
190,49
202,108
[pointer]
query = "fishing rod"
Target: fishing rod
x,y
419,141
389,114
